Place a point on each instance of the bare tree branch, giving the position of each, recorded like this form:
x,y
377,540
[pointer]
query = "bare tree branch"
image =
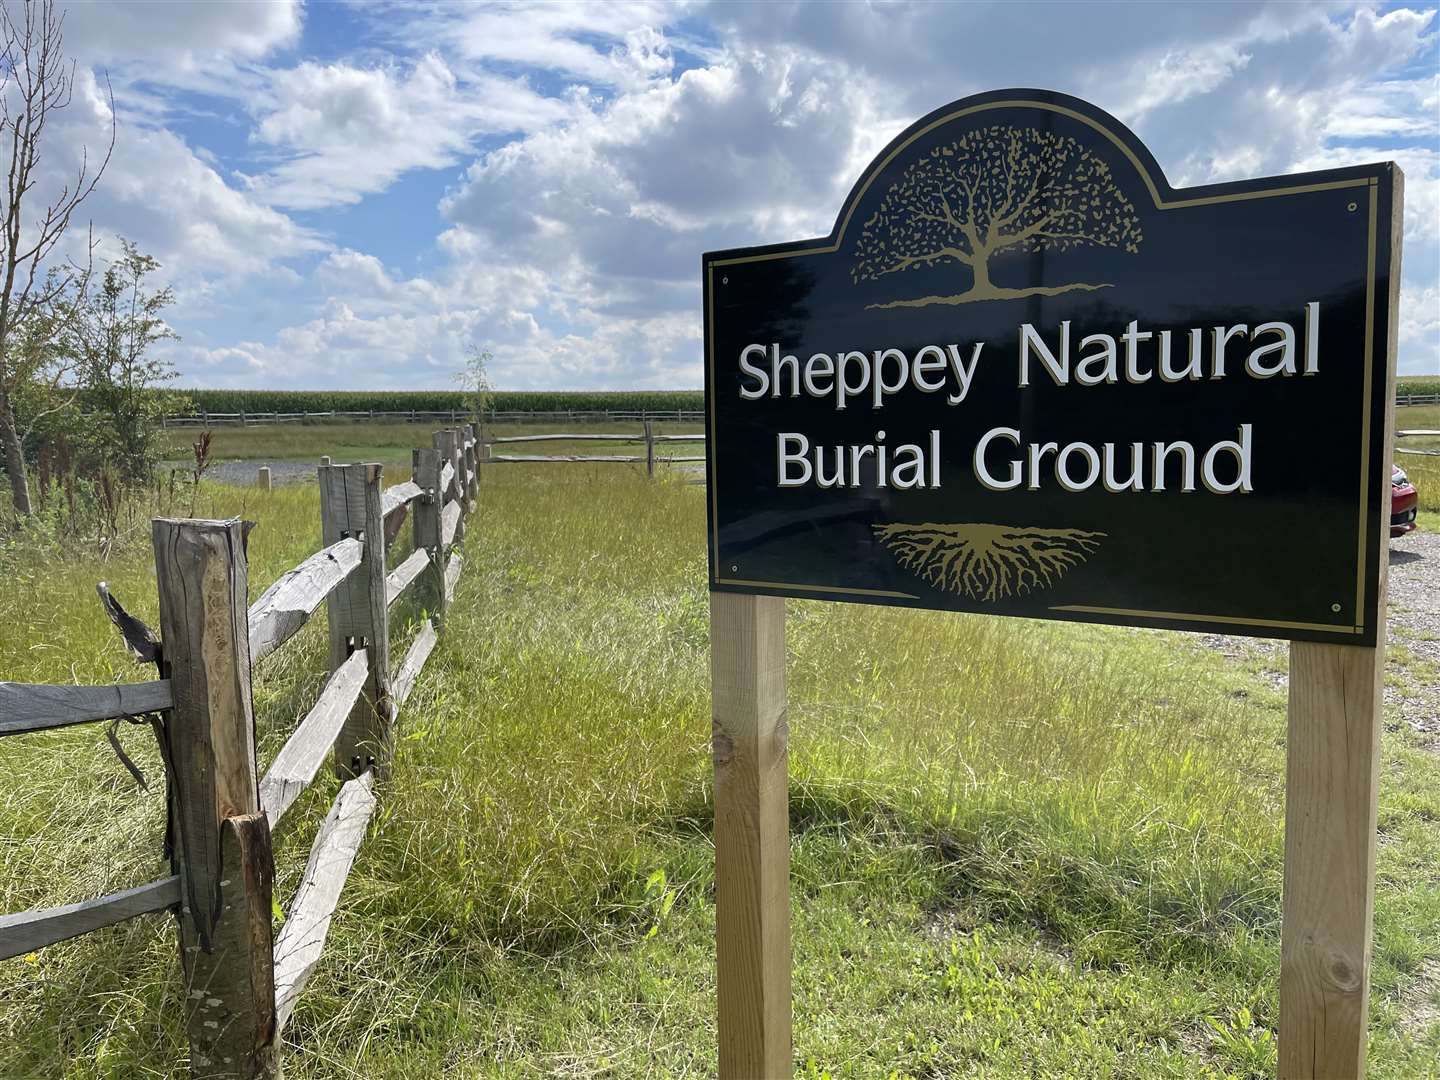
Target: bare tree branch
x,y
36,85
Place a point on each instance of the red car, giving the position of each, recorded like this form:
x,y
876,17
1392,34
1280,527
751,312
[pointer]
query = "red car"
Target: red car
x,y
1403,502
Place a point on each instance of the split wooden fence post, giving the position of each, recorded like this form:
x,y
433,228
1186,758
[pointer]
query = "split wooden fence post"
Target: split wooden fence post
x,y
221,840
351,504
425,471
649,449
464,481
471,439
752,835
445,442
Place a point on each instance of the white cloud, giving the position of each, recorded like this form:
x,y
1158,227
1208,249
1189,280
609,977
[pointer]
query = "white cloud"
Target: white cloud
x,y
617,44
180,36
346,131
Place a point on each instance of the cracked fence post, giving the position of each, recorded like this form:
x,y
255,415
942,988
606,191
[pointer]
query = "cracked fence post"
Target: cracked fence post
x,y
752,835
221,840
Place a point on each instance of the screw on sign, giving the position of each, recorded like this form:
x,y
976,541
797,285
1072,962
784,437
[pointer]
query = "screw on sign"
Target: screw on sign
x,y
1024,376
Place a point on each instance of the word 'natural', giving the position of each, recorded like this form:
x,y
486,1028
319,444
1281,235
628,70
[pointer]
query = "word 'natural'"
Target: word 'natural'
x,y
1135,355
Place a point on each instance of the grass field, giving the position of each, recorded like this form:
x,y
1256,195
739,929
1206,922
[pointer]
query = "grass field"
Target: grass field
x,y
1019,849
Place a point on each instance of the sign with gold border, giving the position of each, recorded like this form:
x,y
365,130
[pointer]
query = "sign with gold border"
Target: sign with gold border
x,y
1025,376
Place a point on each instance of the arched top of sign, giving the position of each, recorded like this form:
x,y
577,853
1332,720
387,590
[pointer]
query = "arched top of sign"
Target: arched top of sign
x,y
1051,108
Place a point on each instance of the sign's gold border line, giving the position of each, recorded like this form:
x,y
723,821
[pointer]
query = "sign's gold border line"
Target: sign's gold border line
x,y
1337,628
711,452
816,588
1160,204
1365,405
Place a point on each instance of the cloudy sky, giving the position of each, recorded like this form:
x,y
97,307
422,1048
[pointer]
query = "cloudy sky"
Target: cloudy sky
x,y
348,195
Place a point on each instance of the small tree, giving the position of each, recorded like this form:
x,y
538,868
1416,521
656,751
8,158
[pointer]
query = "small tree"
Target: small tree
x,y
111,331
474,379
993,190
35,83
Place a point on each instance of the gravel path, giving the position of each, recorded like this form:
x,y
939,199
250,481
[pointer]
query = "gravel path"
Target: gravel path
x,y
1414,627
241,473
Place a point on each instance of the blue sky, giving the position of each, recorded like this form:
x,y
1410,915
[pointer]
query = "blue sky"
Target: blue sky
x,y
351,195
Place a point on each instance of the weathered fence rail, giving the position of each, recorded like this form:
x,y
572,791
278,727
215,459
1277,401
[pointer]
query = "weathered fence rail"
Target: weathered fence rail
x,y
37,706
241,986
1419,433
648,459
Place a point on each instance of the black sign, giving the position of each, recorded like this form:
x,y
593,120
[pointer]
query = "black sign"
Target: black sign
x,y
1025,376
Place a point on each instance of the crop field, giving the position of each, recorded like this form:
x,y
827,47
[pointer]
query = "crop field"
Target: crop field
x,y
1417,384
284,401
1018,848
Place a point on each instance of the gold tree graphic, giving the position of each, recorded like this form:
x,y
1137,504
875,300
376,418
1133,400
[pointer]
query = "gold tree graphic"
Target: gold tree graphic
x,y
995,189
988,562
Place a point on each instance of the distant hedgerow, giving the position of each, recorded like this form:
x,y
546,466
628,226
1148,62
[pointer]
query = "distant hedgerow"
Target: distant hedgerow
x,y
229,401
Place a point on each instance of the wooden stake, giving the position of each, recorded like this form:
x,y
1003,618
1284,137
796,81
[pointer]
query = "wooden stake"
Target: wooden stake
x,y
752,841
649,449
352,504
1332,774
222,843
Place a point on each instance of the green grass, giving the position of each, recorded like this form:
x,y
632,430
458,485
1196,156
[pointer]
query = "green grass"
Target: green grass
x,y
1019,848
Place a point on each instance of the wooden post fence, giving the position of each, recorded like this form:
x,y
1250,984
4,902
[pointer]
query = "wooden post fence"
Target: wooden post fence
x,y
240,985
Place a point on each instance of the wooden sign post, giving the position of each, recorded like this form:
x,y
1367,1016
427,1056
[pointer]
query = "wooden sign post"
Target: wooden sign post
x,y
750,745
1025,376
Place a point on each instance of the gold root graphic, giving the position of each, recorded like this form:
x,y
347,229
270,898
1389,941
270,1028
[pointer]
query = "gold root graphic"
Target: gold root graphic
x,y
987,562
